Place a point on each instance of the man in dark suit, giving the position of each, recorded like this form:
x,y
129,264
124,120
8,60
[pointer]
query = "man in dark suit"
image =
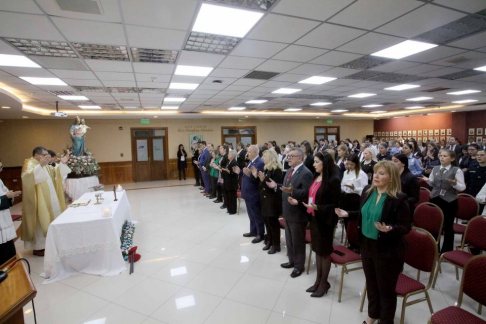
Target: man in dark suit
x,y
454,146
251,194
205,155
241,155
295,185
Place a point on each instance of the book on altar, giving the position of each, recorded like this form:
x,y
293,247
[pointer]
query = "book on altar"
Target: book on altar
x,y
79,203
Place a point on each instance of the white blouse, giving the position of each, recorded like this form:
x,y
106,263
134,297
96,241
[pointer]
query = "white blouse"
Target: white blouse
x,y
481,197
7,229
359,183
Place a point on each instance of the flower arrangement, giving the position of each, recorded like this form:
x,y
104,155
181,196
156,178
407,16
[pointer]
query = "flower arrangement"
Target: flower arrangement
x,y
84,165
126,238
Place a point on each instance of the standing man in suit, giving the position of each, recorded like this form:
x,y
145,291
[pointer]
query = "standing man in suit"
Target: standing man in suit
x,y
205,155
250,192
240,159
296,186
454,146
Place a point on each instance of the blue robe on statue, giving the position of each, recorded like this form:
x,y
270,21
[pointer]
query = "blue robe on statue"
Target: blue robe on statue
x,y
78,146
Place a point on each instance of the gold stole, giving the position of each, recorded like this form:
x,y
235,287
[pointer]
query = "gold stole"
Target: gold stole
x,y
36,199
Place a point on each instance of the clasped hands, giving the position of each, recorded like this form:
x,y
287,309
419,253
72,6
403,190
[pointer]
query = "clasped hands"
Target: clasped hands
x,y
382,227
12,194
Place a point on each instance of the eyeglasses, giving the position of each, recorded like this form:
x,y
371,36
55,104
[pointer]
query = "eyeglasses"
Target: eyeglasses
x,y
291,156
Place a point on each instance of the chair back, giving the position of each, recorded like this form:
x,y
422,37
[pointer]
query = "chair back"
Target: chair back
x,y
468,207
421,251
473,281
429,217
475,233
352,232
424,196
423,184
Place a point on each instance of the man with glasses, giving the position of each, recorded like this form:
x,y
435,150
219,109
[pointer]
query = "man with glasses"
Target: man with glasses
x,y
295,187
43,197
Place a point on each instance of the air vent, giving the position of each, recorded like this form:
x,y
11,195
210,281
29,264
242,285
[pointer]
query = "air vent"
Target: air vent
x,y
365,62
435,89
83,6
110,107
153,55
407,78
64,93
248,4
388,77
90,89
122,90
364,75
151,90
260,75
208,43
460,75
102,52
42,47
461,28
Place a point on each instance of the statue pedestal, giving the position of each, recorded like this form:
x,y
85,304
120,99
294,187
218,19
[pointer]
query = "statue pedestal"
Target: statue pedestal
x,y
75,188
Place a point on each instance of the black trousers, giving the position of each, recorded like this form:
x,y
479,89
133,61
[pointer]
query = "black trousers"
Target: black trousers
x,y
381,272
220,191
273,230
197,175
214,185
295,239
7,251
231,202
449,210
182,174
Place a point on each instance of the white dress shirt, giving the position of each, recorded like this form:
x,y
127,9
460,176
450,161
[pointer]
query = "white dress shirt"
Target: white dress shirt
x,y
460,185
359,182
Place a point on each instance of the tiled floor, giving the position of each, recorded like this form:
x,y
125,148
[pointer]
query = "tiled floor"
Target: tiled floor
x,y
197,268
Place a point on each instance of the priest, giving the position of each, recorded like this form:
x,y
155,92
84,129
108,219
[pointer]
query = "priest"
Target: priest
x,y
43,197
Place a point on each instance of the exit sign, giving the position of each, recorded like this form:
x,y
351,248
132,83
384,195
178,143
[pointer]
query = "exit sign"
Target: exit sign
x,y
144,121
329,121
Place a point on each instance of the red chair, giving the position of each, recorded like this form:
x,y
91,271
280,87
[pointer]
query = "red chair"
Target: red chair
x,y
429,216
422,255
423,184
475,235
282,223
424,196
468,208
348,256
473,284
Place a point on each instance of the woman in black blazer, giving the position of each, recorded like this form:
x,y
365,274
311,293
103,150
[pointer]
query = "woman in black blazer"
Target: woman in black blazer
x,y
270,200
383,221
409,182
309,158
231,182
324,196
368,163
181,161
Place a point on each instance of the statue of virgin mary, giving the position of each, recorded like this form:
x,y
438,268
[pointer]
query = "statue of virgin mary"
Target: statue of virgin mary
x,y
78,130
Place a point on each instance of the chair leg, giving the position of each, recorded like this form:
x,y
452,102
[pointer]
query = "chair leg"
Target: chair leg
x,y
437,272
480,308
363,296
404,305
239,202
428,302
418,275
457,273
310,257
341,285
342,231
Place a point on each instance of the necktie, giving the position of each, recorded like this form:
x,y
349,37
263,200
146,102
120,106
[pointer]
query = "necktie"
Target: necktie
x,y
289,176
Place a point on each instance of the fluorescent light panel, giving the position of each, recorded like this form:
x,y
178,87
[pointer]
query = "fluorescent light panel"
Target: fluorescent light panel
x,y
90,107
414,107
481,68
362,95
462,92
317,80
225,21
193,70
17,60
420,98
293,109
378,112
402,87
286,90
372,106
174,99
339,110
460,101
237,108
44,81
169,107
184,86
404,49
321,103
77,98
256,101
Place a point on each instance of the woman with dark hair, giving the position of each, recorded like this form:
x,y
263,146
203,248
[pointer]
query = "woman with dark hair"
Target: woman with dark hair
x,y
356,147
409,182
431,157
308,157
223,150
416,150
231,182
383,153
414,165
354,179
181,161
324,196
446,180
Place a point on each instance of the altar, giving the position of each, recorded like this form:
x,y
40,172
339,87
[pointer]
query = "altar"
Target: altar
x,y
86,239
75,188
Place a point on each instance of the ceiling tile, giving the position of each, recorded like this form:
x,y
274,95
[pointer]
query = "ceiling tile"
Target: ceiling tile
x,y
229,73
248,82
434,54
23,6
335,58
199,59
70,74
418,69
109,66
469,6
299,53
187,79
238,88
277,66
155,38
283,29
359,13
287,77
419,21
394,66
13,25
472,42
310,69
111,12
313,9
80,82
241,62
153,68
339,72
440,72
468,58
259,49
329,36
149,77
91,32
114,76
370,43
119,83
27,72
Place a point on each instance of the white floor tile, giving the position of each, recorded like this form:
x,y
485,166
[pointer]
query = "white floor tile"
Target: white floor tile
x,y
179,272
173,248
235,260
202,254
114,314
215,281
151,262
256,291
110,288
276,318
236,313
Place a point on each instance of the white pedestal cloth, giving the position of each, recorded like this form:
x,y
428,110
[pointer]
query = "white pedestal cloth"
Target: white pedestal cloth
x,y
81,240
75,188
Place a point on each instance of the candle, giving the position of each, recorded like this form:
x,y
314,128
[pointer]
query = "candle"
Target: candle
x,y
119,188
106,212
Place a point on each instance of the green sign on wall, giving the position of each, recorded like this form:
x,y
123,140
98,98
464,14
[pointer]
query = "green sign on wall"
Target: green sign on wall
x,y
144,121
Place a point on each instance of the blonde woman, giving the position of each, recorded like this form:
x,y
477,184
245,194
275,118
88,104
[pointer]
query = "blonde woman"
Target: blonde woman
x,y
342,154
383,219
270,199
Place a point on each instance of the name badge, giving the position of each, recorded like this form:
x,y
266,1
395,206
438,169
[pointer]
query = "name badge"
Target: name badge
x,y
442,192
311,200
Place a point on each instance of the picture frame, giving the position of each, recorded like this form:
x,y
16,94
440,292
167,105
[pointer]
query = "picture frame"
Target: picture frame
x,y
436,132
424,139
419,138
419,132
431,132
449,132
414,133
471,132
442,132
193,139
375,133
479,131
387,134
425,132
395,133
400,133
404,133
379,133
479,139
409,133
442,139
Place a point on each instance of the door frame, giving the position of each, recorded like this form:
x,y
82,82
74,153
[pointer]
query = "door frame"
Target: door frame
x,y
134,149
239,127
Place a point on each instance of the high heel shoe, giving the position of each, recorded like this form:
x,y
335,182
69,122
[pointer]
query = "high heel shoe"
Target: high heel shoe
x,y
321,293
312,289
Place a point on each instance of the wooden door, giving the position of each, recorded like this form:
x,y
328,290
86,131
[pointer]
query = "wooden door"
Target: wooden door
x,y
157,165
142,159
149,154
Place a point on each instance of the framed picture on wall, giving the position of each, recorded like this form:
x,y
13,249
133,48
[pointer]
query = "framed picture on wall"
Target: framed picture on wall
x,y
442,132
479,140
404,133
395,133
424,139
449,131
379,133
431,132
442,138
436,132
193,139
425,132
419,138
471,131
414,133
436,140
375,133
409,133
479,131
387,134
419,132
400,133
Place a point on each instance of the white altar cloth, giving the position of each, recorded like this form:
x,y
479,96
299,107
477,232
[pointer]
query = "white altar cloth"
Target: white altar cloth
x,y
81,240
75,188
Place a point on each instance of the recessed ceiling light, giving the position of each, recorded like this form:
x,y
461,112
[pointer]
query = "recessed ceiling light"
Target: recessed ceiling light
x,y
184,86
293,109
462,92
225,21
77,98
102,52
169,107
256,101
459,102
25,117
404,49
90,107
378,112
372,106
193,70
414,107
362,95
153,55
44,81
317,80
420,98
481,68
5,107
17,60
174,99
237,108
321,103
339,110
286,90
403,87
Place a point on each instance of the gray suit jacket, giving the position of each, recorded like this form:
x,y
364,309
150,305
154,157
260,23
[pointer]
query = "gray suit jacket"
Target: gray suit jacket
x,y
301,181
